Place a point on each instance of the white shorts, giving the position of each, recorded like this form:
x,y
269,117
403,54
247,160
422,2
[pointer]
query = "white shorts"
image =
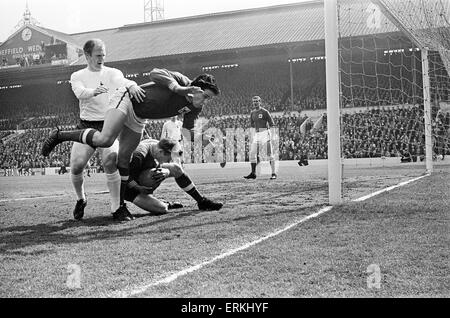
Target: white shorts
x,y
261,136
262,145
121,101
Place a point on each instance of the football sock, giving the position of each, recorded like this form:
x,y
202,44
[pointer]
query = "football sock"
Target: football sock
x,y
124,176
83,136
113,181
272,165
253,164
78,184
185,183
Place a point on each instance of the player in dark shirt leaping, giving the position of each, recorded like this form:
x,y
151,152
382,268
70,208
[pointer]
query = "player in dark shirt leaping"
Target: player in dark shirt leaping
x,y
168,94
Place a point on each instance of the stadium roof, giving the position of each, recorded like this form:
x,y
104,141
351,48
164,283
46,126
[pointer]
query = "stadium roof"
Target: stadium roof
x,y
268,26
271,27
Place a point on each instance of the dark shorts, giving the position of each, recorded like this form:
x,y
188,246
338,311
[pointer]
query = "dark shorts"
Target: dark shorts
x,y
84,124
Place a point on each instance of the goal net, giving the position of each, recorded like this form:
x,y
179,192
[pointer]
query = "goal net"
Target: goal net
x,y
394,87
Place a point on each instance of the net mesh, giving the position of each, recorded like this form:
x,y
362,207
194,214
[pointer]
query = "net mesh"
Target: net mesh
x,y
382,95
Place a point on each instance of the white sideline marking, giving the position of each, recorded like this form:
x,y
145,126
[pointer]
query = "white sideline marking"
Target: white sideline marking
x,y
388,189
174,276
45,197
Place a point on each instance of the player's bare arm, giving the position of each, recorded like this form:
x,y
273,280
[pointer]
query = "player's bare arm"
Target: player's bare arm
x,y
176,82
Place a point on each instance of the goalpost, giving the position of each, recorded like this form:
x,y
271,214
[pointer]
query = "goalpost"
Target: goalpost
x,y
386,58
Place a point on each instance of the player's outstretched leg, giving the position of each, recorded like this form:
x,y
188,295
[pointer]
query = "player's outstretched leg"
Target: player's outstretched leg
x,y
186,184
50,142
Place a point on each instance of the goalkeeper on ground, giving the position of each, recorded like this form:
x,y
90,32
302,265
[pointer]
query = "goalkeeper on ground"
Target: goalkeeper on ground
x,y
152,163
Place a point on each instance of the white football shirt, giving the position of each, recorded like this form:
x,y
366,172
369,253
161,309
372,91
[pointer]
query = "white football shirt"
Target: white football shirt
x,y
172,130
84,82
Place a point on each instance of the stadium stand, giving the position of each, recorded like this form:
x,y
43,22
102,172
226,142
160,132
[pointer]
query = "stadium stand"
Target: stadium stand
x,y
393,134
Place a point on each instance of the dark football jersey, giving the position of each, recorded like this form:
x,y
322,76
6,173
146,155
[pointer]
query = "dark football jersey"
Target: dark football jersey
x,y
162,102
148,161
260,119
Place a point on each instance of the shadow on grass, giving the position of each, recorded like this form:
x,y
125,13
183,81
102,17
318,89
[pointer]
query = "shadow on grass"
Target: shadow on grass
x,y
99,228
15,238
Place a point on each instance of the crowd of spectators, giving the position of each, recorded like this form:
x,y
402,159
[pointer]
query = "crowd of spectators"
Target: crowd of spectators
x,y
271,80
379,132
21,103
25,152
374,132
395,132
66,119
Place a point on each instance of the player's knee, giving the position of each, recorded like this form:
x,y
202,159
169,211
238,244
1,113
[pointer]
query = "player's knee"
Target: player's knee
x,y
165,208
176,171
105,141
77,165
162,208
110,162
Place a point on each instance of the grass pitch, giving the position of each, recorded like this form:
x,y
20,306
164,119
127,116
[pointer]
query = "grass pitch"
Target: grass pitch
x,y
404,232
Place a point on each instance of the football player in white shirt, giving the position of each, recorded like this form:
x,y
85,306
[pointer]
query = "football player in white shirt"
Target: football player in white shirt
x,y
172,130
93,86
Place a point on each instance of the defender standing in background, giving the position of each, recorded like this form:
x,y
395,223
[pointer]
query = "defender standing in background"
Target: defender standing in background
x,y
260,122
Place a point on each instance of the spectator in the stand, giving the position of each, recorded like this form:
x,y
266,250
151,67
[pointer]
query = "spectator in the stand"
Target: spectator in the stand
x,y
62,168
